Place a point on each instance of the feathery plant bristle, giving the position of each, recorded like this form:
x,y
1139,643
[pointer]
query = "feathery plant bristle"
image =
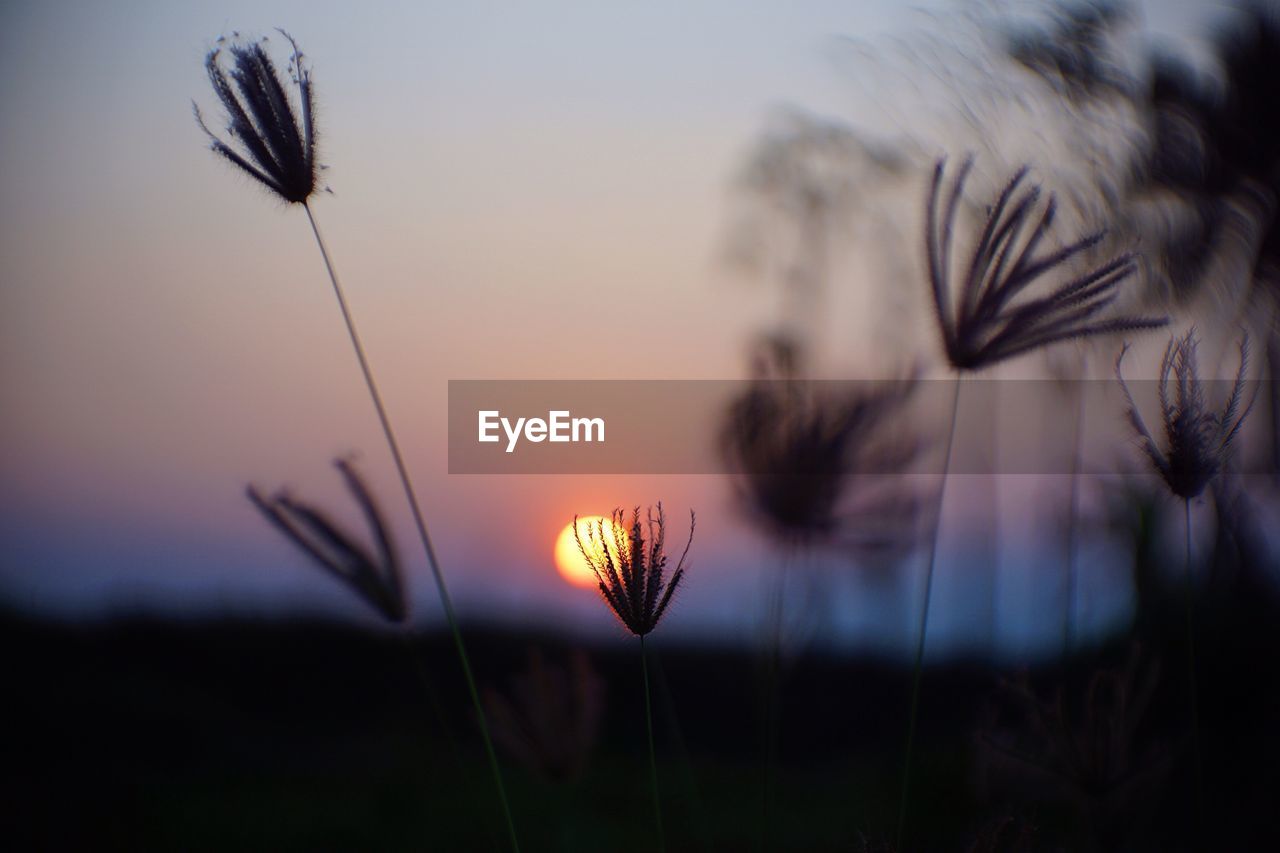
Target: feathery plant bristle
x,y
984,325
630,568
1198,441
374,575
277,139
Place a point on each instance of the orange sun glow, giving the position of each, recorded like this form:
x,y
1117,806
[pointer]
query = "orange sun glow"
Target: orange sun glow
x,y
570,563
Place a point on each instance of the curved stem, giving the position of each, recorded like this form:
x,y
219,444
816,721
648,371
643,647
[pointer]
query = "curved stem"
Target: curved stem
x,y
653,760
924,620
1191,678
418,519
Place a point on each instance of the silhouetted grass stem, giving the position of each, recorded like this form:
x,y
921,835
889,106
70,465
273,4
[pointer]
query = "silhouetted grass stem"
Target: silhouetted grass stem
x,y
924,619
418,518
772,700
1191,678
653,759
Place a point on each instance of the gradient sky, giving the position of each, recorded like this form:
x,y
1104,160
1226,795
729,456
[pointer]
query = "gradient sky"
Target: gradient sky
x,y
501,173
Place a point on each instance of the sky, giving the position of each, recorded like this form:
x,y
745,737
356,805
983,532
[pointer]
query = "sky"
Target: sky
x,y
519,191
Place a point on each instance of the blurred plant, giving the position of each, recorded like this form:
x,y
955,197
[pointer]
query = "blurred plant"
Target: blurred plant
x,y
802,182
1097,757
820,468
1199,441
985,325
1199,447
549,718
279,151
983,328
815,465
1073,56
630,571
1204,185
1005,834
374,575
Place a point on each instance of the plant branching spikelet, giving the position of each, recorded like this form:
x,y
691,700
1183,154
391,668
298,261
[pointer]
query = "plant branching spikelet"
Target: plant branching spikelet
x,y
374,574
984,322
1198,441
276,139
630,568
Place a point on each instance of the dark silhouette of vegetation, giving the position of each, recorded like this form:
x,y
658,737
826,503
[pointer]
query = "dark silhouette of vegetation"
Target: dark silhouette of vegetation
x,y
549,718
817,463
1198,442
374,576
281,156
630,569
985,324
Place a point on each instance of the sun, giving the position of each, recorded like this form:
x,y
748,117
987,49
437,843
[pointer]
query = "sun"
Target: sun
x,y
570,563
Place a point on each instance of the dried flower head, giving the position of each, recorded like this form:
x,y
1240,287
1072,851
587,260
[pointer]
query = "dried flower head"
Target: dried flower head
x,y
630,568
816,462
983,327
550,717
277,149
1199,441
374,575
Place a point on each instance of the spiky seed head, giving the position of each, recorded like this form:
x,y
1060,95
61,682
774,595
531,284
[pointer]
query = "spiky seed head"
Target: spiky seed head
x,y
1198,441
629,560
985,321
269,137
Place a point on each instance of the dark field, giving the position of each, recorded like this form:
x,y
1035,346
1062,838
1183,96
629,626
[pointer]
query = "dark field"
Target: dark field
x,y
150,735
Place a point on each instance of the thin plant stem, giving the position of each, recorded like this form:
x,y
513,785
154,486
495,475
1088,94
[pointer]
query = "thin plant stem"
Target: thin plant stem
x,y
772,709
418,518
1191,677
1073,521
676,734
433,698
924,620
653,759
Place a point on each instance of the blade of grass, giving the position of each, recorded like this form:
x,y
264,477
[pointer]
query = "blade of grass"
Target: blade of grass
x,y
418,518
924,620
1191,677
653,760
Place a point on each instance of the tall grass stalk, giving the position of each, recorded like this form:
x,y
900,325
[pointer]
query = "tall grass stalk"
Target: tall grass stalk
x,y
653,756
418,518
922,632
631,571
1191,674
675,732
1199,444
772,700
273,141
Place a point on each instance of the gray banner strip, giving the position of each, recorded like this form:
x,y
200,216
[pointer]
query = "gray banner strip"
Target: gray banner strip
x,y
812,426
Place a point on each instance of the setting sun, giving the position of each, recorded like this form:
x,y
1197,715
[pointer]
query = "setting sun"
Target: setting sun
x,y
569,560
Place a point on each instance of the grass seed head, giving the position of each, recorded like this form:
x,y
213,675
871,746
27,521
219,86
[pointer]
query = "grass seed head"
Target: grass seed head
x,y
629,560
1198,441
373,574
985,321
269,137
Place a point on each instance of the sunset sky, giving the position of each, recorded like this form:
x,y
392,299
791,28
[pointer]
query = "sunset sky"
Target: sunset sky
x,y
520,191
